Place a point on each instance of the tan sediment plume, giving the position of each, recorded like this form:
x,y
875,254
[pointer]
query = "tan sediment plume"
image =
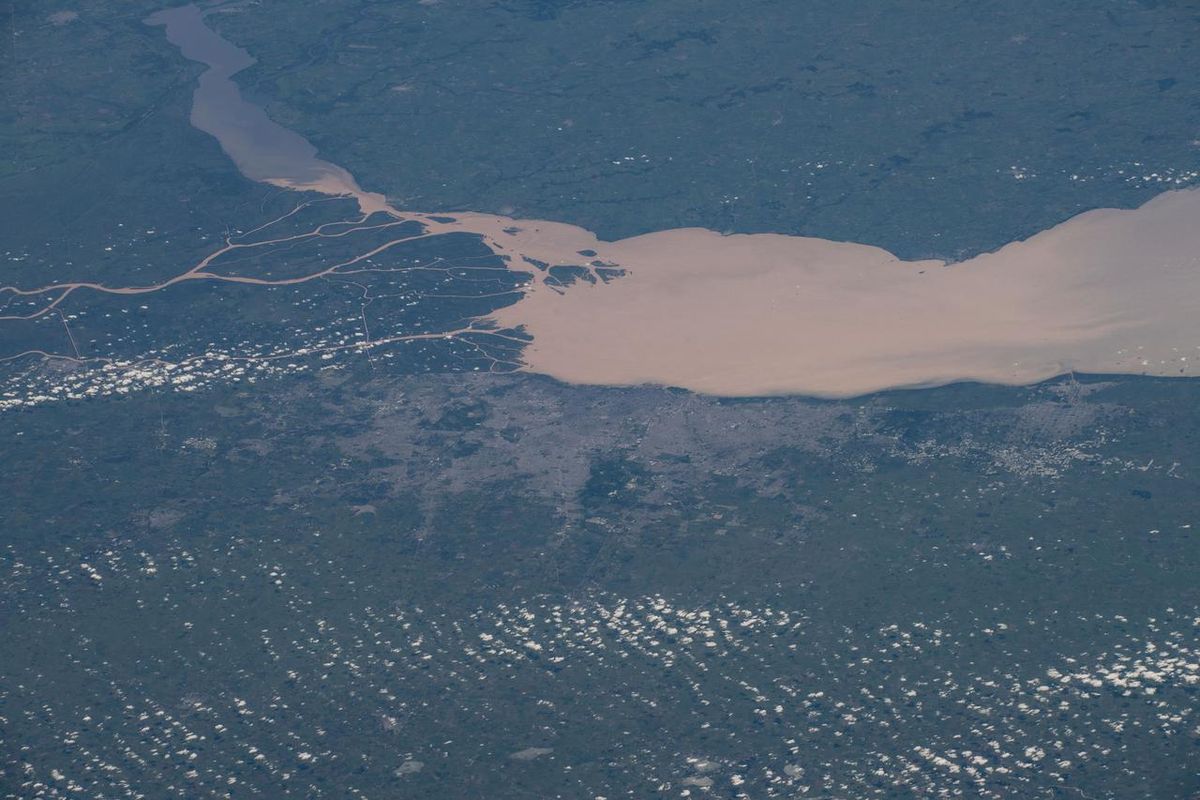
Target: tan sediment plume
x,y
1108,291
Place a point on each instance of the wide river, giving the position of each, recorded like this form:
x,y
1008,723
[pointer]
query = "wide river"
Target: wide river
x,y
1108,291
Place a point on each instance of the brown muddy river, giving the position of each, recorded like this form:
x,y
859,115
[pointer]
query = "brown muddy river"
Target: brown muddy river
x,y
1108,291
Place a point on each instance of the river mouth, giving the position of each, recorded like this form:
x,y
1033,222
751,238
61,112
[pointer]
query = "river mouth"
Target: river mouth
x,y
1109,291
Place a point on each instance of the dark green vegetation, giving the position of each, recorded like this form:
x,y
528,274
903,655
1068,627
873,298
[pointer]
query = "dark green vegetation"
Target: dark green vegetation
x,y
936,128
416,581
392,577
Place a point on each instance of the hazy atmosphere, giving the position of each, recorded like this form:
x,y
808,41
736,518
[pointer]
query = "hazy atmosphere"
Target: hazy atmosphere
x,y
590,399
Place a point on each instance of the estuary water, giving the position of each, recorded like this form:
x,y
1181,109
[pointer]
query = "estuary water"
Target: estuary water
x,y
1108,291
